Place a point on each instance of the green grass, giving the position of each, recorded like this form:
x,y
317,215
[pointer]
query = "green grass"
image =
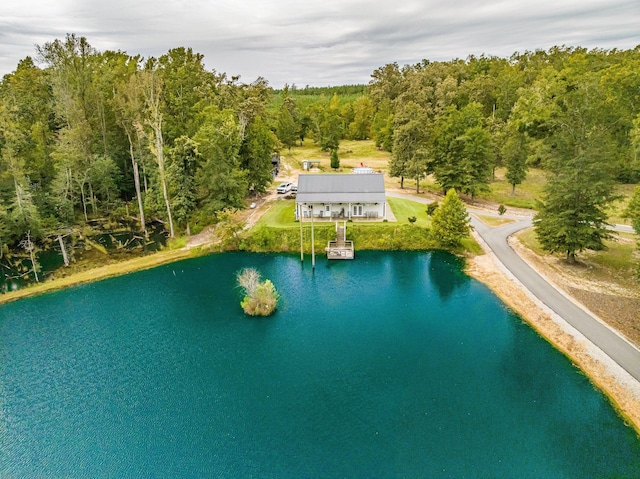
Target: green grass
x,y
499,192
619,255
526,194
616,210
529,239
403,209
351,153
280,215
494,220
472,246
617,263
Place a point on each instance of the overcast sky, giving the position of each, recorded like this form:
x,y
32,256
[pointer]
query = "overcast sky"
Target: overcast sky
x,y
318,43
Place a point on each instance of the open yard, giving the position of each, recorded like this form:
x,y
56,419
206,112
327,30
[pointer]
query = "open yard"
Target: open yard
x,y
280,215
403,209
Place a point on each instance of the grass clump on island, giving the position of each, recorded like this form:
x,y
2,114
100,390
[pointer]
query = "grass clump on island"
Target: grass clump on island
x,y
261,297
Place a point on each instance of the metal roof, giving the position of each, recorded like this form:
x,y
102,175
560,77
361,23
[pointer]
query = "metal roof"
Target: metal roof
x,y
344,188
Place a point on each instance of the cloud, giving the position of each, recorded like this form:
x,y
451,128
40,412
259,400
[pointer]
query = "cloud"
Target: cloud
x,y
319,43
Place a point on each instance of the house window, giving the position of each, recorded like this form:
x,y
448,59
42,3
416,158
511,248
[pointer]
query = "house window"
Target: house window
x,y
357,210
327,208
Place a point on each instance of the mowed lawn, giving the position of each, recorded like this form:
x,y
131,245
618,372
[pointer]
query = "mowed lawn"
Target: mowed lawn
x,y
282,214
403,209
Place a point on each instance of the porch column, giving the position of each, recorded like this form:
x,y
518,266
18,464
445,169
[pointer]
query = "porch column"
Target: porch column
x,y
349,210
299,213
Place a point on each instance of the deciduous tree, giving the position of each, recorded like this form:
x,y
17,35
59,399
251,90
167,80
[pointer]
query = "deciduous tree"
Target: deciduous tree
x,y
409,156
572,216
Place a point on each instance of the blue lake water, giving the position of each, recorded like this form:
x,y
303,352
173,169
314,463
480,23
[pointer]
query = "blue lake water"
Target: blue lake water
x,y
392,365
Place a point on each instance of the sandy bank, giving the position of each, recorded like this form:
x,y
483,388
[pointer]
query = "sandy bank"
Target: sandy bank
x,y
619,386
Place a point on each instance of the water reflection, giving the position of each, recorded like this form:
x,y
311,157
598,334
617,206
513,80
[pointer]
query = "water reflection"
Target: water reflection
x,y
446,274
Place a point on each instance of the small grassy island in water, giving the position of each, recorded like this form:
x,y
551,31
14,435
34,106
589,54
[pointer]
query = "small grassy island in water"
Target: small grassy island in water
x,y
261,297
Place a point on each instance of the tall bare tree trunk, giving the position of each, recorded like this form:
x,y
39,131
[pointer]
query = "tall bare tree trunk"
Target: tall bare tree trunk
x,y
136,180
163,176
152,98
92,196
30,247
84,203
65,257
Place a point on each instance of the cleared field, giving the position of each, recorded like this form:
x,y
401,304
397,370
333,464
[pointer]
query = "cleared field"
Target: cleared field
x,y
351,154
525,195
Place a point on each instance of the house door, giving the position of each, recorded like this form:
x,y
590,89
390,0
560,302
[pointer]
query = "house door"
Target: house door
x,y
357,210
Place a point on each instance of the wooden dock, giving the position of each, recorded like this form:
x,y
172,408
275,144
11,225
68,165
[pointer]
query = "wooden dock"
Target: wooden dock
x,y
340,248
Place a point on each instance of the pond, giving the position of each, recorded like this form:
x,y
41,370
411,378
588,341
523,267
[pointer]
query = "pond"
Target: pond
x,y
392,365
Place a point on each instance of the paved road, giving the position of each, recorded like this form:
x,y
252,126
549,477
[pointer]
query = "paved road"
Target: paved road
x,y
615,346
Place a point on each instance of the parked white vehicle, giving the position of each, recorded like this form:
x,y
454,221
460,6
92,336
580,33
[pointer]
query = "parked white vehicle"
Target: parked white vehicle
x,y
284,187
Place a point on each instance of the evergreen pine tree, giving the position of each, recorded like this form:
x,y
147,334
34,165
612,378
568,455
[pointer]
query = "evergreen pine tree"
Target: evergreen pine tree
x,y
450,224
335,161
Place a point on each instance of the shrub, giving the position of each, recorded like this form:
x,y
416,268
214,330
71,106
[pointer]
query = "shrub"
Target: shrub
x,y
431,208
412,219
261,297
502,210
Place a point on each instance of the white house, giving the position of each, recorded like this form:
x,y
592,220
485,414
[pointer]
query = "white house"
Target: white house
x,y
345,196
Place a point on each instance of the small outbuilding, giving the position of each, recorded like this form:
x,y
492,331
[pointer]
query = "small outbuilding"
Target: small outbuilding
x,y
275,164
310,164
341,196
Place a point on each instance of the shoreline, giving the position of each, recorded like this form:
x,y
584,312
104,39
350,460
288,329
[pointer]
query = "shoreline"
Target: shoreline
x,y
133,265
620,388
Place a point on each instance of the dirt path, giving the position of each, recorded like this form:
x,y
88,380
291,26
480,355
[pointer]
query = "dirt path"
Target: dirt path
x,y
250,216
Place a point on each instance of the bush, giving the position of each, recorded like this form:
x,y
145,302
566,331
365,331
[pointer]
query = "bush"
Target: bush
x,y
431,208
261,297
412,219
502,210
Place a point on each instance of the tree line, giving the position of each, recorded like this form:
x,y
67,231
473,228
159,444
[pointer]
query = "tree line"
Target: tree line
x,y
95,134
573,112
92,135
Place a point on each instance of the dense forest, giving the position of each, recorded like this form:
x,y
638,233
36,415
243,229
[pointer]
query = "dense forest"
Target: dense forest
x,y
94,136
